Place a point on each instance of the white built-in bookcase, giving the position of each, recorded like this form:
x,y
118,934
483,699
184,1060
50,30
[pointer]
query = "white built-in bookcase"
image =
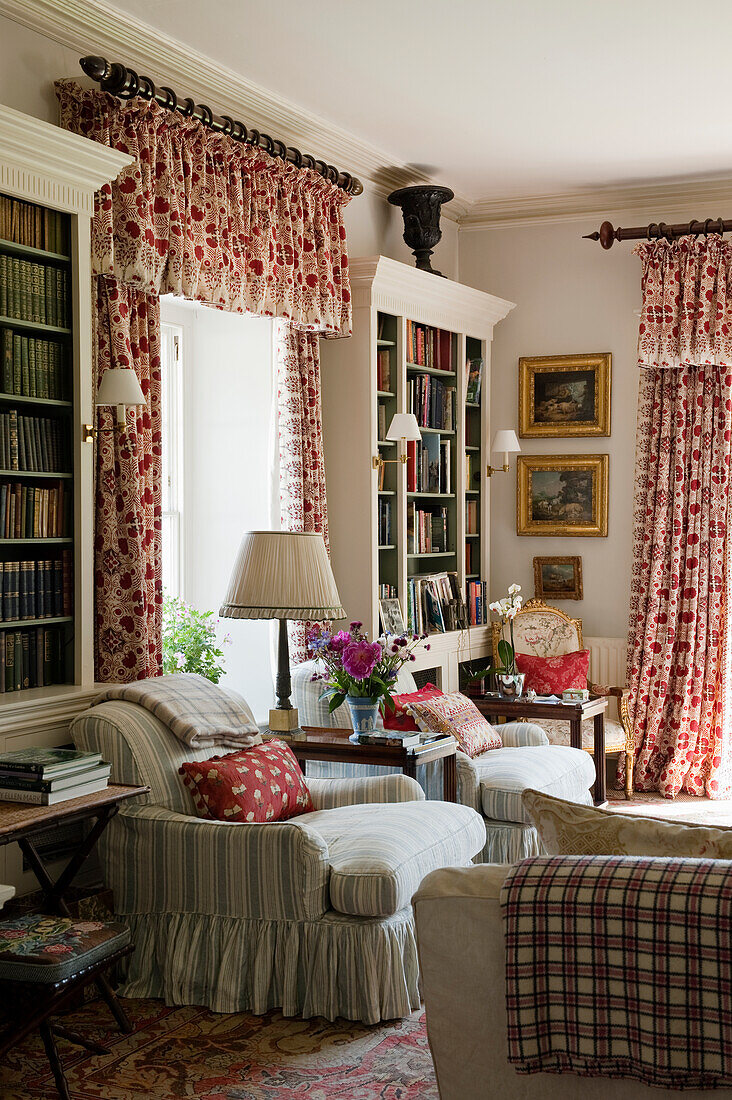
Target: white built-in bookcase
x,y
386,296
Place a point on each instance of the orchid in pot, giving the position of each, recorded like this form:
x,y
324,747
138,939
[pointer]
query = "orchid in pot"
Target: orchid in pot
x,y
510,680
359,672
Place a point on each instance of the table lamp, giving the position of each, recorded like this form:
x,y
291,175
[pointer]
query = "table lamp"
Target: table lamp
x,y
282,575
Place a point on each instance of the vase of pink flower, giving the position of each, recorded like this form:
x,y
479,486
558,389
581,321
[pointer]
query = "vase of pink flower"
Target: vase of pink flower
x,y
358,672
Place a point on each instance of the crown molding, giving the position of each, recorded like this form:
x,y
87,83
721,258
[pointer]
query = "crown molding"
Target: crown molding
x,y
88,26
658,200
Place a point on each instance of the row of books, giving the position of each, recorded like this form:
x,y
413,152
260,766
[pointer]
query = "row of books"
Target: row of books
x,y
31,658
388,592
36,589
435,604
34,292
471,518
429,465
383,369
431,401
43,777
477,593
384,522
33,444
473,380
426,530
31,512
35,226
33,367
472,557
472,470
429,347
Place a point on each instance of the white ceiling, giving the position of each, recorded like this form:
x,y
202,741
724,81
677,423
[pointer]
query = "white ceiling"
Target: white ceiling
x,y
497,98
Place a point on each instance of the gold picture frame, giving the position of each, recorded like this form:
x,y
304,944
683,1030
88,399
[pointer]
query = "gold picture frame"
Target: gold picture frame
x,y
558,578
549,503
565,395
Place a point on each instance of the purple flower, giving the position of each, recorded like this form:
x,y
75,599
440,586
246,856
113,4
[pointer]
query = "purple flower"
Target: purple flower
x,y
427,645
355,625
359,659
339,641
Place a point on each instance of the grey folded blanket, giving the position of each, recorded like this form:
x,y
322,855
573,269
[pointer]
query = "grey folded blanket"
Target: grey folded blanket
x,y
195,710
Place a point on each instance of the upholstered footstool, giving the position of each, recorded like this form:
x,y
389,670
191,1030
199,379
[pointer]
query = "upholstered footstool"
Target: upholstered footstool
x,y
494,782
44,961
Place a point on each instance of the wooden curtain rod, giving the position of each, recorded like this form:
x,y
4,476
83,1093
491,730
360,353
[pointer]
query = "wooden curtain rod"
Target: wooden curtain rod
x,y
606,234
119,80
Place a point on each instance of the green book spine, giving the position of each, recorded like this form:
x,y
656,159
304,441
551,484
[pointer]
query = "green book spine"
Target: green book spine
x,y
26,290
66,305
37,296
18,666
53,349
49,295
4,310
25,663
15,305
44,368
24,368
7,360
38,442
2,661
17,364
32,380
13,423
9,661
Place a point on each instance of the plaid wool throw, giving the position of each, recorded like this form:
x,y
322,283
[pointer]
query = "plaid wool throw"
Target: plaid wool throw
x,y
195,710
620,966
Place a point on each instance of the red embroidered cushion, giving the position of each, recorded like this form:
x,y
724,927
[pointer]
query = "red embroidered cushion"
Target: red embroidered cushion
x,y
458,715
553,675
401,718
263,783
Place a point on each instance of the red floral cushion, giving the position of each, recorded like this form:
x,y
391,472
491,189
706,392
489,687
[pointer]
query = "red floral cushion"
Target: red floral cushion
x,y
401,718
263,783
458,715
553,675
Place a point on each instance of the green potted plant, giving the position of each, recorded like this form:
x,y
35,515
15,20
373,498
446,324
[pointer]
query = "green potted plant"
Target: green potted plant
x,y
190,643
509,680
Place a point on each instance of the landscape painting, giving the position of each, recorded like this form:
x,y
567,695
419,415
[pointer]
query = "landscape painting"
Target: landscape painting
x,y
562,495
562,395
558,578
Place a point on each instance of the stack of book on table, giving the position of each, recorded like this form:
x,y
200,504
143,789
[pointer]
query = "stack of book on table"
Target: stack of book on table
x,y
43,777
411,740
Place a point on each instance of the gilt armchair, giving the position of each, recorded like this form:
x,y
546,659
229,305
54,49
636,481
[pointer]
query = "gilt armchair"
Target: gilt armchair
x,y
545,631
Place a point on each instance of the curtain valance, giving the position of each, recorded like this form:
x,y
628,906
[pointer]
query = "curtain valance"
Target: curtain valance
x,y
211,219
686,317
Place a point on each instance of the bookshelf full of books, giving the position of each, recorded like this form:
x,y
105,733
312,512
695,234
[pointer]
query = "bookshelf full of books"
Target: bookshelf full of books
x,y
413,527
48,180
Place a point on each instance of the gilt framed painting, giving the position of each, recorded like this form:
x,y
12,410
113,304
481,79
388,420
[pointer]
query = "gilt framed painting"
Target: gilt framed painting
x,y
558,578
564,395
562,495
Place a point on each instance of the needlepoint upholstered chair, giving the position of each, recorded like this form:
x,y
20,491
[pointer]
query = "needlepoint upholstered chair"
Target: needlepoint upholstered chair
x,y
545,631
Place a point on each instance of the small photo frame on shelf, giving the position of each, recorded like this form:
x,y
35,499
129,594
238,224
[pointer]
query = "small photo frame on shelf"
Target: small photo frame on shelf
x,y
392,619
558,578
473,380
564,395
562,495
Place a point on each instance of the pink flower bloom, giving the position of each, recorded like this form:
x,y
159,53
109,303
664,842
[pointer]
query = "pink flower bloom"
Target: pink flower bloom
x,y
339,641
355,625
359,659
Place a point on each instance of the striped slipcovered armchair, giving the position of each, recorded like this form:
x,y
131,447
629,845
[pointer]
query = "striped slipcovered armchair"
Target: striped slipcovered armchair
x,y
310,915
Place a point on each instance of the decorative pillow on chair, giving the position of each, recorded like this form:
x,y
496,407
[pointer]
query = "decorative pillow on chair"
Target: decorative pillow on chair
x,y
570,829
400,718
458,715
553,675
264,783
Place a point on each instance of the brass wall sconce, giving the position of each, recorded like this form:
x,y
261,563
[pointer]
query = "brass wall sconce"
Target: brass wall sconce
x,y
403,427
504,441
119,386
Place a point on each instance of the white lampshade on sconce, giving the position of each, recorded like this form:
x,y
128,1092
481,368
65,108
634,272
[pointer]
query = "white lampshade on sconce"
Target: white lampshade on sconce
x,y
403,428
505,443
121,387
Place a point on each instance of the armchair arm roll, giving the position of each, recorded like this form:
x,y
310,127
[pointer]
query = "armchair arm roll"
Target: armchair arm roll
x,y
158,861
328,793
519,735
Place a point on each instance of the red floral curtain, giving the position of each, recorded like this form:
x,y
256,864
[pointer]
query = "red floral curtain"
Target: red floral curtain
x,y
678,661
201,216
211,219
301,458
128,506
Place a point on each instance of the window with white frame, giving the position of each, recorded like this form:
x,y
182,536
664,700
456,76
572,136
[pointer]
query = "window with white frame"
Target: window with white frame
x,y
172,351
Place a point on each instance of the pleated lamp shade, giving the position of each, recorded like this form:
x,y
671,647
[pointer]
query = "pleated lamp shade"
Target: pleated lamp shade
x,y
282,575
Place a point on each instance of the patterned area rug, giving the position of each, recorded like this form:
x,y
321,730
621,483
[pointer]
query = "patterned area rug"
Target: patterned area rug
x,y
685,807
193,1054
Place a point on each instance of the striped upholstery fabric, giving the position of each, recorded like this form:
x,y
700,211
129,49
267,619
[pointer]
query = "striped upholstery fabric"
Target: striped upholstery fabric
x,y
504,774
372,788
558,734
380,854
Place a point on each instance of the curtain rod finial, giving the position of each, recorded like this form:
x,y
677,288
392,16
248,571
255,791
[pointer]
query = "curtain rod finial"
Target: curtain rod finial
x,y
591,236
95,67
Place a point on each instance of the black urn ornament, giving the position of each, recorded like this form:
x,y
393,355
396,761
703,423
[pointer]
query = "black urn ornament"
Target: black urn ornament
x,y
421,207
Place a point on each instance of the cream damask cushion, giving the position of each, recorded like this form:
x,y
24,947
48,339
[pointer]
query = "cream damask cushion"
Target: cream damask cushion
x,y
568,829
557,732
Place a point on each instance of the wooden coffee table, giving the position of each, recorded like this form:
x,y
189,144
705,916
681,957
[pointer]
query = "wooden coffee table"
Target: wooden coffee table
x,y
494,706
324,743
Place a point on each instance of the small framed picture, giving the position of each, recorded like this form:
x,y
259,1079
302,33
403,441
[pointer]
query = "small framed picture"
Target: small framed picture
x,y
558,578
562,495
564,395
392,620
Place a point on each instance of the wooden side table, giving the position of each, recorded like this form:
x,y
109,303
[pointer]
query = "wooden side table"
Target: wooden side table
x,y
22,824
334,745
494,706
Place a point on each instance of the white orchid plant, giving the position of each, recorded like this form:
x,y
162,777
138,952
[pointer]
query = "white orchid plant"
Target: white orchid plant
x,y
506,609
